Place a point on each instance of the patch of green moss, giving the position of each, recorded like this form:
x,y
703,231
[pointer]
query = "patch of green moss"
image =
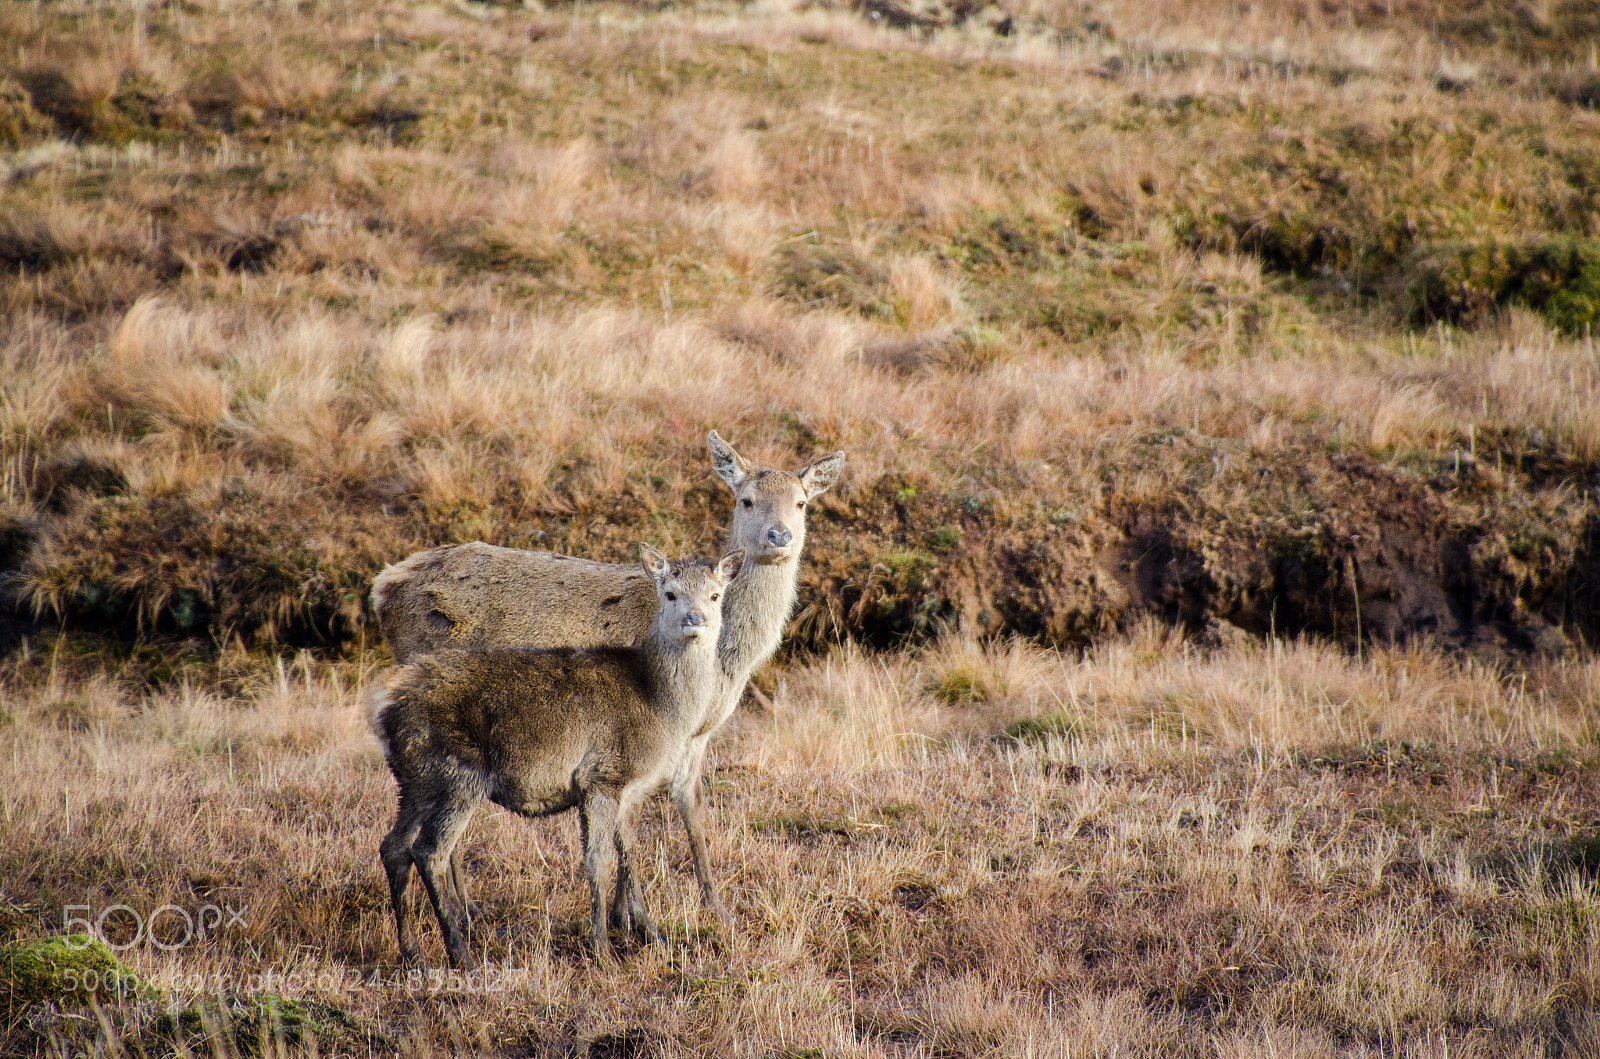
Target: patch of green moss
x,y
960,687
1000,242
259,1024
805,825
812,825
1558,277
489,249
815,274
70,967
1041,728
894,812
20,124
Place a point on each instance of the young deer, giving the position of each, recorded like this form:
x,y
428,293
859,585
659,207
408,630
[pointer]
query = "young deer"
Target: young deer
x,y
540,731
478,595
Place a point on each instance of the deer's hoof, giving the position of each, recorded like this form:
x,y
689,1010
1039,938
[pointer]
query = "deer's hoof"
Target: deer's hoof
x,y
646,931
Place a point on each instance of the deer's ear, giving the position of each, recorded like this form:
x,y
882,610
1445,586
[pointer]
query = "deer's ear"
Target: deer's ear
x,y
821,473
729,565
729,465
655,564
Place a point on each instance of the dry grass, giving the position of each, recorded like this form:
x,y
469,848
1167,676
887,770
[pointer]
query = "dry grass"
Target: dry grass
x,y
1152,849
1156,333
512,425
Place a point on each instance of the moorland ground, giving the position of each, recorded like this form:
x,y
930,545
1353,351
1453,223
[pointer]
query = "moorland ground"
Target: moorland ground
x,y
1193,660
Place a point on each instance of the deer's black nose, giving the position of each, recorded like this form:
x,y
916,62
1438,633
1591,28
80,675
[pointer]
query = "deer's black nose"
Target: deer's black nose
x,y
694,617
779,537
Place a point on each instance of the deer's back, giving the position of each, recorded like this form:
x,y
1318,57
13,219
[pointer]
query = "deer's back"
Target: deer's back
x,y
481,596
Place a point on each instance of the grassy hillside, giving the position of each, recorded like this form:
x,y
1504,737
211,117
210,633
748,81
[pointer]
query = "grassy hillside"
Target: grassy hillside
x,y
1194,658
1125,311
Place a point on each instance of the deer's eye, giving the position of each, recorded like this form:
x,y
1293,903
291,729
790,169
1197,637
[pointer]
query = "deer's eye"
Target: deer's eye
x,y
801,505
671,597
748,502
715,597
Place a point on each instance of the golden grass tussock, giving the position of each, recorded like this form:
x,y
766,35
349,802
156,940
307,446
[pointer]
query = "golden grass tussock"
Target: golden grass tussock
x,y
922,297
748,235
738,171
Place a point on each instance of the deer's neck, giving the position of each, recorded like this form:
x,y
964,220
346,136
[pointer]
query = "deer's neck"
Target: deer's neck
x,y
685,673
754,615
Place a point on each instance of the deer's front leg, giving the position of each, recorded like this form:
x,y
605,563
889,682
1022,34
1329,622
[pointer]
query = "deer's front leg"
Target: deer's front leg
x,y
686,795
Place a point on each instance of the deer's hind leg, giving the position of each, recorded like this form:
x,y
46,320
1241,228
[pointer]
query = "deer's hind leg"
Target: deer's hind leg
x,y
395,851
622,896
470,909
441,828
